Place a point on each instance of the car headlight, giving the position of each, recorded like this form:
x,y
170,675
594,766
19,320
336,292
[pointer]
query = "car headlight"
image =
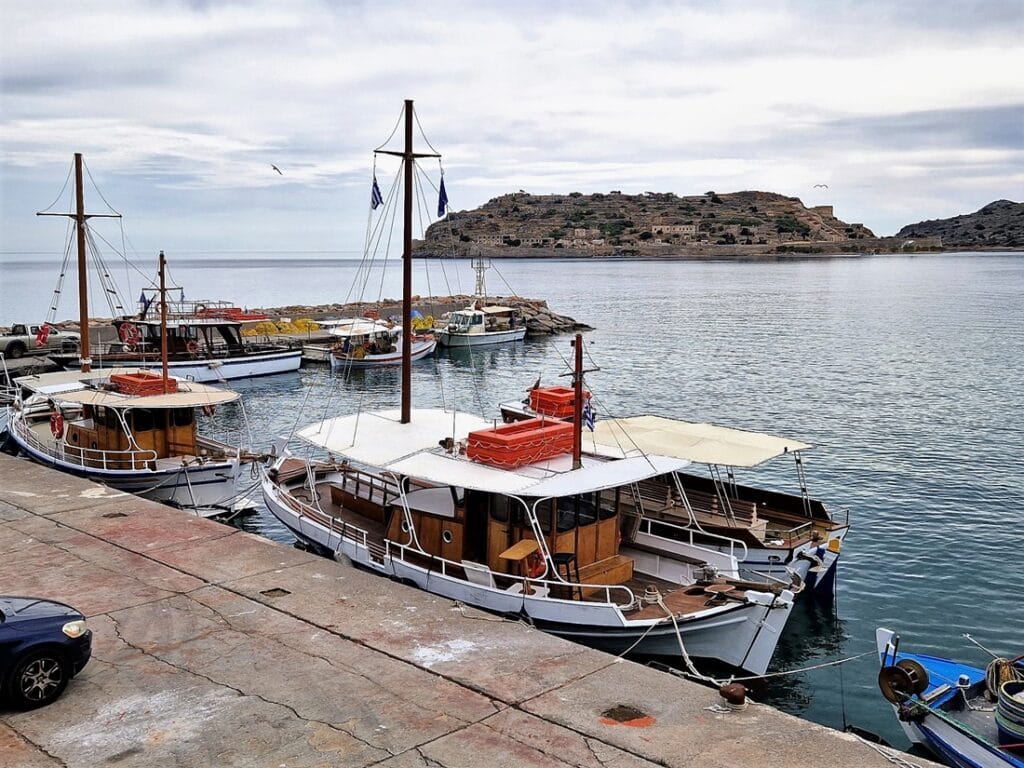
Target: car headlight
x,y
74,628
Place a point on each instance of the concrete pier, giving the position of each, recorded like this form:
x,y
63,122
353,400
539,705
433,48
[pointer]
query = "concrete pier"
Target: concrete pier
x,y
215,647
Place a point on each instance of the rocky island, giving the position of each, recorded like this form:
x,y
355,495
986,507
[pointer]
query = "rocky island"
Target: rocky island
x,y
999,224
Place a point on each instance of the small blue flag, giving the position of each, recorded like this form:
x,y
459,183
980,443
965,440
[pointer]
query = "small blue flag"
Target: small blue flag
x,y
588,414
142,298
376,199
442,200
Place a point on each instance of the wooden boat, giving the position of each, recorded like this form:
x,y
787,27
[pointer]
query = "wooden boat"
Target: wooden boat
x,y
782,537
204,343
517,521
966,716
129,428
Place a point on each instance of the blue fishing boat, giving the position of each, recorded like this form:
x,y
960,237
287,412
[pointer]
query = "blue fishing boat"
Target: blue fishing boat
x,y
967,716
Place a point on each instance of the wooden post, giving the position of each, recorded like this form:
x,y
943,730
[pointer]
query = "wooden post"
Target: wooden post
x,y
163,320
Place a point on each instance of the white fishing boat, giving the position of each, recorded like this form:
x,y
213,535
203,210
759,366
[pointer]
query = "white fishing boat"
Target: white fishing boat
x,y
482,323
517,519
368,342
131,429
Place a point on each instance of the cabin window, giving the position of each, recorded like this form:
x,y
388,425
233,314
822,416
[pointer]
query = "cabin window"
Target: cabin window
x,y
478,320
574,511
142,420
499,508
181,417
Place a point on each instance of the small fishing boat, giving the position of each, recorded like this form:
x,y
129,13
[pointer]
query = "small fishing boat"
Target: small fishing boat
x,y
781,537
516,518
131,429
966,716
368,342
482,322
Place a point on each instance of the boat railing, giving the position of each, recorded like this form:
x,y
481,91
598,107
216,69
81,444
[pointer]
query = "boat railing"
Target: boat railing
x,y
340,528
615,594
94,458
789,537
736,548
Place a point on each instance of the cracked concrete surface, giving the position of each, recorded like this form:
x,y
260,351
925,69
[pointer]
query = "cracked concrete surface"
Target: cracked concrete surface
x,y
213,647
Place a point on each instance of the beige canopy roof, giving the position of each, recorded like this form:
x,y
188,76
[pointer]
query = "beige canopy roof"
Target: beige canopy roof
x,y
78,387
702,443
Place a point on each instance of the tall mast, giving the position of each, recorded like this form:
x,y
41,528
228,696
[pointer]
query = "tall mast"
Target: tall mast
x,y
407,272
163,320
408,159
83,292
577,399
80,217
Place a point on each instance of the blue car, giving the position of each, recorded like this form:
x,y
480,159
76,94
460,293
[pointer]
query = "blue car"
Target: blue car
x,y
43,644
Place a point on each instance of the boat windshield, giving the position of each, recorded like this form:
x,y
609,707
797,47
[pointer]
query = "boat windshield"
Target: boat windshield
x,y
463,320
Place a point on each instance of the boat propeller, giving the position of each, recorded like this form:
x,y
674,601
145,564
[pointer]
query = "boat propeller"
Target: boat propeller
x,y
902,680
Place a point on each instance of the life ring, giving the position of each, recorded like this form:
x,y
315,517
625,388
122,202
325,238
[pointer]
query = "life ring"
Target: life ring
x,y
535,565
129,334
192,347
57,425
209,410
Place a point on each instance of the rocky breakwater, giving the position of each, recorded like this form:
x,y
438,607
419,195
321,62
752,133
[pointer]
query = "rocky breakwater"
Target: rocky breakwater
x,y
540,319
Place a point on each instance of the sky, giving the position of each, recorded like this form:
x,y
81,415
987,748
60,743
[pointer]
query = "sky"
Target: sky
x,y
906,110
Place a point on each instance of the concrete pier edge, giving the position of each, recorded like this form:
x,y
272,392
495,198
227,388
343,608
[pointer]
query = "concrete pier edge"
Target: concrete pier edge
x,y
217,647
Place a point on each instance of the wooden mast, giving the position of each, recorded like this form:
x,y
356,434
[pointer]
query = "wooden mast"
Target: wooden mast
x,y
408,158
577,399
163,321
80,217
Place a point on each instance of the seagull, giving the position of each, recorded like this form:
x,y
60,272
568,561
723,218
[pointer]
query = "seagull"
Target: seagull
x,y
277,169
815,186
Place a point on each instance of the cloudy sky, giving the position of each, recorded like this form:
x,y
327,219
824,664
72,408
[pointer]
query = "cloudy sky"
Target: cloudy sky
x,y
907,110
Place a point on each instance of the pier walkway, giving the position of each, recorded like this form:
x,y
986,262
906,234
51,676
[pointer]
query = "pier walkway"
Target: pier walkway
x,y
215,647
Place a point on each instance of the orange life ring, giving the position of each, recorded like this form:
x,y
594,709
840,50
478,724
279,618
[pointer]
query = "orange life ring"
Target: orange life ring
x,y
129,334
192,347
535,565
57,425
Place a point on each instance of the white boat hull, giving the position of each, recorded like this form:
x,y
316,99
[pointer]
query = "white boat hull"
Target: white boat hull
x,y
743,635
448,339
217,370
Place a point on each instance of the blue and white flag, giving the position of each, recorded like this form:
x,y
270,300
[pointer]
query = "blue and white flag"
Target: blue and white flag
x,y
588,414
442,200
376,199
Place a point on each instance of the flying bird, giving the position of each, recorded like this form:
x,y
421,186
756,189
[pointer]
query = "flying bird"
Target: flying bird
x,y
277,169
815,186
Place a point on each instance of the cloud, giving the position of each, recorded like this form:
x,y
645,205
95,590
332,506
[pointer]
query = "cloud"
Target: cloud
x,y
182,107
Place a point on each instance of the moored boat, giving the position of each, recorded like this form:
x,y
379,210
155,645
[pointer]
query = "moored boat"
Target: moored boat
x,y
966,716
516,519
368,342
482,324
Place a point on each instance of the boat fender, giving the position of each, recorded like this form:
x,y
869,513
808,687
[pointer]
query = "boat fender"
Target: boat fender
x,y
534,565
57,425
192,346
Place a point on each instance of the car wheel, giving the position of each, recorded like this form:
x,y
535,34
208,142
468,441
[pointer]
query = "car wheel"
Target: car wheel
x,y
39,678
16,350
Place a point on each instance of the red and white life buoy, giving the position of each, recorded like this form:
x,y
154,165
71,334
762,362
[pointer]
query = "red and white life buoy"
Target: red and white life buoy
x,y
535,565
57,425
129,334
192,346
43,335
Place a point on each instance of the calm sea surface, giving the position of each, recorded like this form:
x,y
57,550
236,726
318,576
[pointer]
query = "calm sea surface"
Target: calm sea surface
x,y
907,374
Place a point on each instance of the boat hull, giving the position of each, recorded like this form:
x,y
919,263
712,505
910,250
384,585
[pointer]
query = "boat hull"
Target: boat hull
x,y
457,340
210,371
743,635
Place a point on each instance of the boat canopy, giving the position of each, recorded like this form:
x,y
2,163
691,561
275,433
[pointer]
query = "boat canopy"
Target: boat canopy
x,y
191,322
698,442
85,389
359,326
380,440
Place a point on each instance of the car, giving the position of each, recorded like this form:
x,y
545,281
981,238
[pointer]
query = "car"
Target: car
x,y
43,644
42,339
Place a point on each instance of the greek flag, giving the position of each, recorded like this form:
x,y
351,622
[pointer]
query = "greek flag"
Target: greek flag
x,y
376,199
588,414
442,200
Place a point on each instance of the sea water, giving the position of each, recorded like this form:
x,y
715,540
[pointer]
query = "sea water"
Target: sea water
x,y
906,373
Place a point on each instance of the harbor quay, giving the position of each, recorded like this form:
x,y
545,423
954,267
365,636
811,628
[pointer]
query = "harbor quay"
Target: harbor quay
x,y
216,647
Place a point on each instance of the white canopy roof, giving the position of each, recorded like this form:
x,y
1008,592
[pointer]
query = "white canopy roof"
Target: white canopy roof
x,y
697,442
380,440
78,387
360,326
